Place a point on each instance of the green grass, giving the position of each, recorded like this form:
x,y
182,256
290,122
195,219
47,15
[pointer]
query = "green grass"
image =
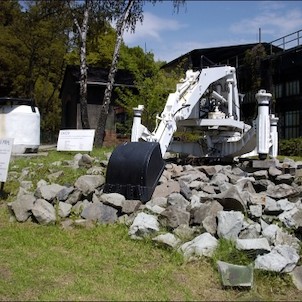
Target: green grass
x,y
102,263
227,252
49,263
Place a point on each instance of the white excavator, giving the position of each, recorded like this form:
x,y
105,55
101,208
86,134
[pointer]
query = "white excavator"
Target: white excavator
x,y
206,101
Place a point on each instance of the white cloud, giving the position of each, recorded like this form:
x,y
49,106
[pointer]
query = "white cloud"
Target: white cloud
x,y
153,27
170,37
272,23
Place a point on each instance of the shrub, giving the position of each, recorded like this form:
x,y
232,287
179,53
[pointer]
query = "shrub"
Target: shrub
x,y
290,147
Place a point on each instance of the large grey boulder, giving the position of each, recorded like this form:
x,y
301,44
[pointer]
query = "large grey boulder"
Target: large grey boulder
x,y
143,225
22,207
282,258
194,175
230,224
250,230
282,191
85,161
178,201
255,245
270,232
88,183
232,199
78,208
98,212
284,179
113,199
210,170
167,239
26,184
261,174
63,194
297,276
166,189
297,218
204,211
130,206
291,218
172,217
48,192
219,179
64,209
74,197
44,212
202,245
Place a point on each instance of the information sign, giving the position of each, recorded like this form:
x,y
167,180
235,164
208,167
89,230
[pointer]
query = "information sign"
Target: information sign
x,y
6,145
75,140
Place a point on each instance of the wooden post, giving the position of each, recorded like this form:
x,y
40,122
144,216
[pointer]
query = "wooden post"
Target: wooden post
x,y
1,189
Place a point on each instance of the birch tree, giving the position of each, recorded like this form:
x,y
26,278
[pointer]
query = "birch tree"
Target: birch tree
x,y
127,13
82,30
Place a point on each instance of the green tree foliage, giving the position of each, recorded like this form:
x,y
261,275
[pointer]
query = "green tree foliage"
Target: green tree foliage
x,y
33,43
126,13
101,47
153,87
10,46
38,38
252,62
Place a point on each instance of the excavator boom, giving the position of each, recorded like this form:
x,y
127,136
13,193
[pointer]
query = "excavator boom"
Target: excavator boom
x,y
206,100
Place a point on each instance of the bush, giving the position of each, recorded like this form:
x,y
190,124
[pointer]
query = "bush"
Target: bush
x,y
290,147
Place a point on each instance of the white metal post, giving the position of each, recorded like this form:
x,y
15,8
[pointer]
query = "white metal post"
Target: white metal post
x,y
263,122
274,135
137,121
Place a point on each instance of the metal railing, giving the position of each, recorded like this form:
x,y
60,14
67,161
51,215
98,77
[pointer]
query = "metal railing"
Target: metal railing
x,y
287,42
279,45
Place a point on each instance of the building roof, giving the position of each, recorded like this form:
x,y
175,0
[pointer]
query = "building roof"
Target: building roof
x,y
98,76
217,55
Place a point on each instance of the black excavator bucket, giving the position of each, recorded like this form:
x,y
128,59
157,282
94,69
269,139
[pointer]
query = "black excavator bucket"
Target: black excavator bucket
x,y
134,169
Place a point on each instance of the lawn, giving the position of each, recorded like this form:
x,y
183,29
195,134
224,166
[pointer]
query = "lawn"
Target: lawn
x,y
49,263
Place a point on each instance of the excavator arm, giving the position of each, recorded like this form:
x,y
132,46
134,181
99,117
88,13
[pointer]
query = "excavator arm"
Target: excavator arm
x,y
207,100
180,104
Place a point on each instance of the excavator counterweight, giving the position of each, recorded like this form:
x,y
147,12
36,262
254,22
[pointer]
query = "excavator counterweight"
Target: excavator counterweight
x,y
134,169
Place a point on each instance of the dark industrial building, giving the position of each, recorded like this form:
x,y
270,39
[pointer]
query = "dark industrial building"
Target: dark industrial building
x,y
96,85
279,71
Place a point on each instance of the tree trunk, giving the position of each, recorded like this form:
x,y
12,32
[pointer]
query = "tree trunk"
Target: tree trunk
x,y
82,30
83,89
83,71
101,125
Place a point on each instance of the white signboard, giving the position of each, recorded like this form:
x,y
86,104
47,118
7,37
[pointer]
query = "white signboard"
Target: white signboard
x,y
75,140
6,145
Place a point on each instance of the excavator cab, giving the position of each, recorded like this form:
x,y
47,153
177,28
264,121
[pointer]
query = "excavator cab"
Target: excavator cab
x,y
134,169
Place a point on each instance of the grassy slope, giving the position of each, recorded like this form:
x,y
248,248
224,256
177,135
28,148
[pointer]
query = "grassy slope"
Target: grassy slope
x,y
103,263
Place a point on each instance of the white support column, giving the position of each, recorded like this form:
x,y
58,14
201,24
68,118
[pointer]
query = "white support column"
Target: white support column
x,y
274,135
263,123
137,123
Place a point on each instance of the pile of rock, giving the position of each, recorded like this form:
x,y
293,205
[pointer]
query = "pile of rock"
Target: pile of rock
x,y
257,204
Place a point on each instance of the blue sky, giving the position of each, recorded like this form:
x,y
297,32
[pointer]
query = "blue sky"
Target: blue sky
x,y
204,24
